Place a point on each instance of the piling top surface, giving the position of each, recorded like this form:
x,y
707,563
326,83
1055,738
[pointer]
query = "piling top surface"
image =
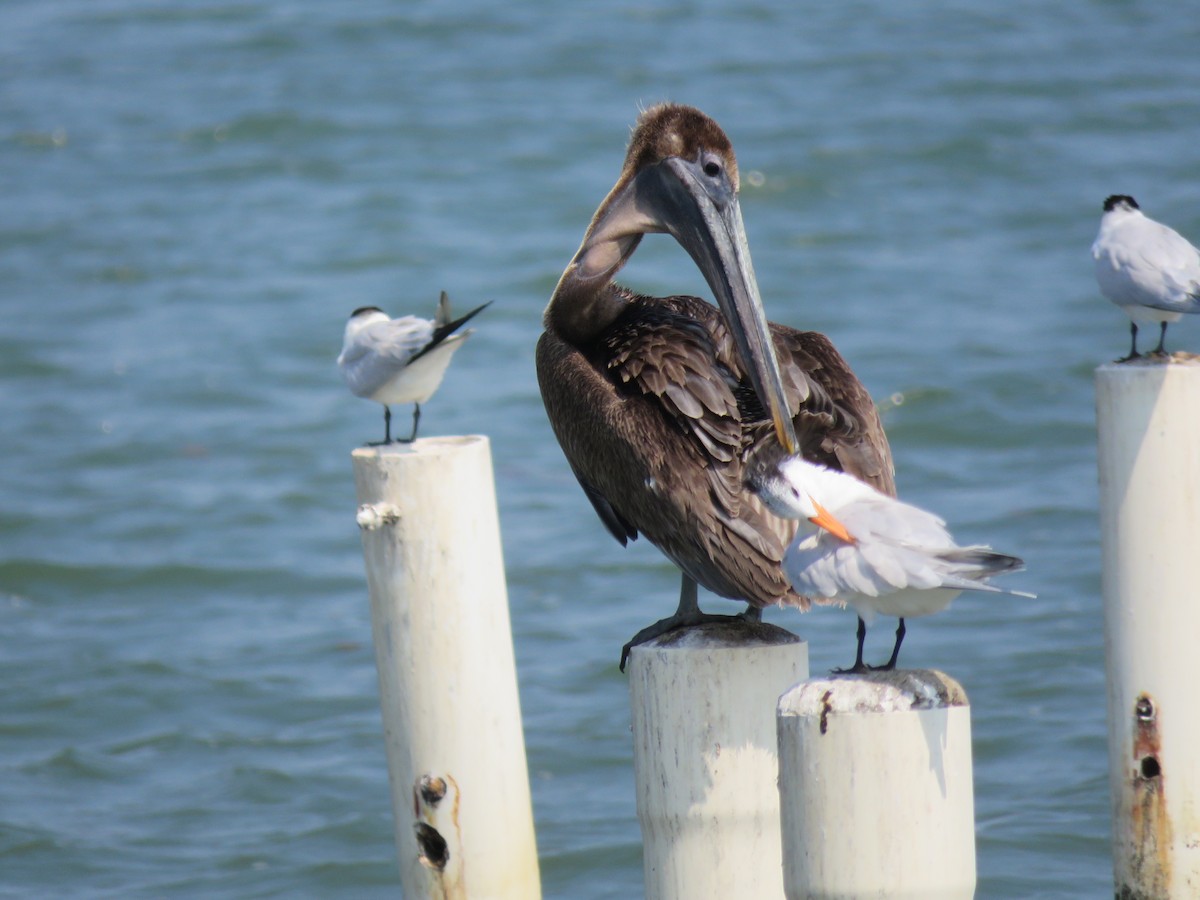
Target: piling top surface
x,y
880,692
421,446
1145,365
721,635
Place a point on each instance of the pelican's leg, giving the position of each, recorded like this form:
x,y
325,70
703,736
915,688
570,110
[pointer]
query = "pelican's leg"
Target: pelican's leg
x,y
387,429
891,663
686,614
858,666
1133,354
1162,336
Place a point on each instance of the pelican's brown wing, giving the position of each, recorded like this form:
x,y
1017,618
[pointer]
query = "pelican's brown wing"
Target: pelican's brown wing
x,y
651,421
836,420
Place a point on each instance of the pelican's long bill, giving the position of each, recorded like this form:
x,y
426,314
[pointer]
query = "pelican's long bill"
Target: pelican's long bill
x,y
696,202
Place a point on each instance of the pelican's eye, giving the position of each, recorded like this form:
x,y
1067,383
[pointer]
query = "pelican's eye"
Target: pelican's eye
x,y
712,168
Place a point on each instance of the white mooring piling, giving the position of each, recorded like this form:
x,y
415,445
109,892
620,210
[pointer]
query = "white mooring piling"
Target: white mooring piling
x,y
447,680
876,788
703,703
1148,420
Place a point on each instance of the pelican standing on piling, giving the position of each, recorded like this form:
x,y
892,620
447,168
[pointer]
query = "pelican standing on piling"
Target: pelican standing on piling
x,y
658,402
868,550
1149,270
400,360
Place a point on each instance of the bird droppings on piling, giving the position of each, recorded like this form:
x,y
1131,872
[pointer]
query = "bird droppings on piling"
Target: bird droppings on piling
x,y
375,515
893,691
434,852
1150,361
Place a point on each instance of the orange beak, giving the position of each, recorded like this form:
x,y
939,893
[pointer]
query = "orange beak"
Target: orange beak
x,y
825,519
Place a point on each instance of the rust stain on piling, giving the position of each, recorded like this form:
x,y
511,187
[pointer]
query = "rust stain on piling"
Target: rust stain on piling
x,y
439,835
1150,832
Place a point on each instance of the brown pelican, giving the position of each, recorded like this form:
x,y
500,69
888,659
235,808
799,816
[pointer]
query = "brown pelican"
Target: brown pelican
x,y
659,403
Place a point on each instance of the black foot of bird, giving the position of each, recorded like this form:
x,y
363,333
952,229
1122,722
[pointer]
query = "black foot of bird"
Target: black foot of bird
x,y
861,668
674,623
1133,351
387,429
687,615
1160,350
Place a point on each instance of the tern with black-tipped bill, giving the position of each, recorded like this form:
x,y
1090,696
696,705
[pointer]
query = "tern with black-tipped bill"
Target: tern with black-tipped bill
x,y
860,548
400,360
1149,270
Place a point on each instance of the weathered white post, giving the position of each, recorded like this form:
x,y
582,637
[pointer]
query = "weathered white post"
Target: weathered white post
x,y
703,702
1148,418
447,680
876,789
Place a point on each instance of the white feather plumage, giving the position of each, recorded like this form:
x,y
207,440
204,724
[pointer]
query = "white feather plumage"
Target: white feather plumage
x,y
1147,269
401,360
858,547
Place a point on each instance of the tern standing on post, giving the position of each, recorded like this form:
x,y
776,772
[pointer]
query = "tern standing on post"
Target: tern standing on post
x,y
867,550
1149,270
400,360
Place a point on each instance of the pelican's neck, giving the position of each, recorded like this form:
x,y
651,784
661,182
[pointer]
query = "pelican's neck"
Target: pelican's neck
x,y
585,301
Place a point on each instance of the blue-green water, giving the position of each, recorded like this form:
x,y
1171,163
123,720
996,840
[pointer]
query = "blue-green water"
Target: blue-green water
x,y
193,196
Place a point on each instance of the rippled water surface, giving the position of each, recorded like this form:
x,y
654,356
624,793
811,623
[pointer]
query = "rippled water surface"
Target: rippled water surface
x,y
195,195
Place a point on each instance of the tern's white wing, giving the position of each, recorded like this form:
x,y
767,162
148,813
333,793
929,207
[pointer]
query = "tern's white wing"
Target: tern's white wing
x,y
382,350
1140,262
897,548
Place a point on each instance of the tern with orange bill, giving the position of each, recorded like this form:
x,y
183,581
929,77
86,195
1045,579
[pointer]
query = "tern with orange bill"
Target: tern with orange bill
x,y
860,548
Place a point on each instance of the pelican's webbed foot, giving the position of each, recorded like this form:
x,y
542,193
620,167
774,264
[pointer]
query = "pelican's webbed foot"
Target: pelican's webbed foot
x,y
674,623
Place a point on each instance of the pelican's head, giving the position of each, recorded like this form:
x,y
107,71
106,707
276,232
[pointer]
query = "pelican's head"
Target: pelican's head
x,y
681,178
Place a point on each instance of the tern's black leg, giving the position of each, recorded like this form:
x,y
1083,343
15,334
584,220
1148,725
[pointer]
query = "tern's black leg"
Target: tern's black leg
x,y
387,429
891,663
1133,354
858,662
686,614
1162,336
416,418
